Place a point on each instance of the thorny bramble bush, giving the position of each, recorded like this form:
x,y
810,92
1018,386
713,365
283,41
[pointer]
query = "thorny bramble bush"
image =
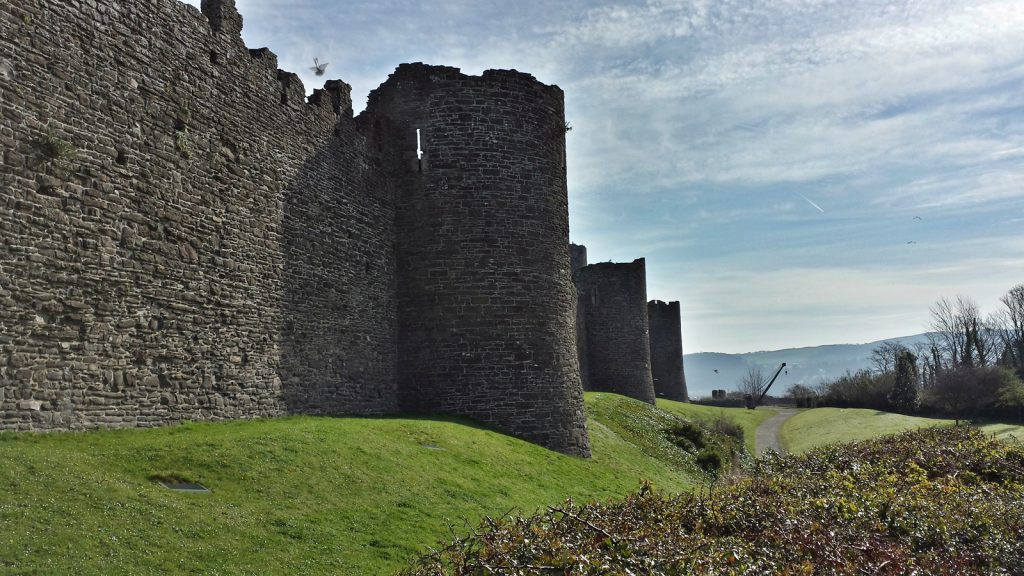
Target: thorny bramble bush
x,y
936,501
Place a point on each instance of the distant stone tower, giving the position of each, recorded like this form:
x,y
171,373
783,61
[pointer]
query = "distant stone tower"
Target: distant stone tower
x,y
614,302
577,256
485,300
577,260
666,340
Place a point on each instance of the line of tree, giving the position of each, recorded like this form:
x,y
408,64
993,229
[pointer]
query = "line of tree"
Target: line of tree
x,y
971,366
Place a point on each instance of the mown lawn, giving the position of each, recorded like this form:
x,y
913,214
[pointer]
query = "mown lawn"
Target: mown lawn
x,y
299,495
1005,431
822,426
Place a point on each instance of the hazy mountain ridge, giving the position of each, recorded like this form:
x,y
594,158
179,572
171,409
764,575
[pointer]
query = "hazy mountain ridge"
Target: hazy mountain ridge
x,y
809,366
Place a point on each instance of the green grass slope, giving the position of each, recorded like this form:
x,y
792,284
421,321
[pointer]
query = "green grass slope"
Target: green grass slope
x,y
300,494
822,426
749,420
1005,431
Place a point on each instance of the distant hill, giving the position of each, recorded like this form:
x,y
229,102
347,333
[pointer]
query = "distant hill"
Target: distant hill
x,y
808,366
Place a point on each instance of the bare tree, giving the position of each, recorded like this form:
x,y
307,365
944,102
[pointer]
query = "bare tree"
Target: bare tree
x,y
1009,327
753,382
961,335
884,356
922,350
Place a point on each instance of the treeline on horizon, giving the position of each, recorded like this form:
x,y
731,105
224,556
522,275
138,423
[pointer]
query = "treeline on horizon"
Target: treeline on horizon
x,y
971,366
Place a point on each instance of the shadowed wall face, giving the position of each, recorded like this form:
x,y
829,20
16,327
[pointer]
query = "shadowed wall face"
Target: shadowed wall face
x,y
184,236
577,257
666,340
577,260
614,299
485,302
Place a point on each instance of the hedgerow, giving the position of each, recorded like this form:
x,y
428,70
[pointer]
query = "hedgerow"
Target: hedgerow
x,y
934,501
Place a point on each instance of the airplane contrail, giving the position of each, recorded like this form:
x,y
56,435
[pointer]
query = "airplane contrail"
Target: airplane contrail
x,y
808,200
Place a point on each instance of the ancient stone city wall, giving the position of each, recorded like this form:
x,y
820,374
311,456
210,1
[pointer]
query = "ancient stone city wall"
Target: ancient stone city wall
x,y
666,341
578,260
486,306
185,236
614,300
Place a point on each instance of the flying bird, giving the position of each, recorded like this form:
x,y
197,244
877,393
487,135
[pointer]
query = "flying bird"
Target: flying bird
x,y
808,200
319,68
911,242
917,217
716,370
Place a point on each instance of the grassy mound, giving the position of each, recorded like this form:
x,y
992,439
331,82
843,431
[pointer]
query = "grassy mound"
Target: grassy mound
x,y
748,420
935,501
1004,431
822,426
299,495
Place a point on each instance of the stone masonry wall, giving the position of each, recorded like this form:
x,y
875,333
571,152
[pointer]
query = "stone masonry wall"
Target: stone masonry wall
x,y
666,339
485,300
577,257
577,260
183,235
614,297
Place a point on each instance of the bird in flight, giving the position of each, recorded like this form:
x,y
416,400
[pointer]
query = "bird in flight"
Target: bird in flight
x,y
319,68
716,370
917,217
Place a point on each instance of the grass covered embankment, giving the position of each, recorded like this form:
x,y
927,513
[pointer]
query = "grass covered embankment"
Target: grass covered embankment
x,y
941,500
823,426
301,495
748,420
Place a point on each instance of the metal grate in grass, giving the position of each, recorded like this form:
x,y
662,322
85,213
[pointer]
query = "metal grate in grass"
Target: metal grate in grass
x,y
183,486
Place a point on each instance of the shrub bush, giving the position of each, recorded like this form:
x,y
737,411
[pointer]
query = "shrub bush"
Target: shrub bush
x,y
933,501
861,389
688,436
709,460
729,428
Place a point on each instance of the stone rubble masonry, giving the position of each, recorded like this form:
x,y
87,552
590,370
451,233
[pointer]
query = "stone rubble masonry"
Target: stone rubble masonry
x,y
666,340
577,256
185,236
486,305
577,260
618,357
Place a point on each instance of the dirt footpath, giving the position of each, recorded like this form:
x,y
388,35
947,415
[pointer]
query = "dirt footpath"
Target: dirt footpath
x,y
768,431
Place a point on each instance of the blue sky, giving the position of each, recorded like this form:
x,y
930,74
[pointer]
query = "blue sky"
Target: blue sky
x,y
796,172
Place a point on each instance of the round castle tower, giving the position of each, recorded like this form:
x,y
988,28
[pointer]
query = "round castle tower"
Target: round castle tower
x,y
666,337
615,325
486,306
